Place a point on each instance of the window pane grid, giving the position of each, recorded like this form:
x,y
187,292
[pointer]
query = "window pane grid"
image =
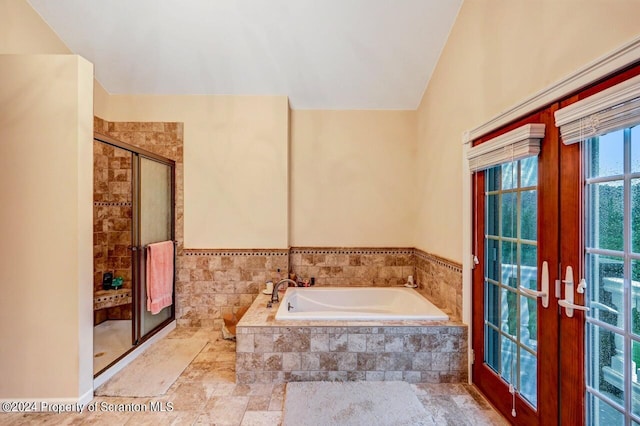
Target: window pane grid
x,y
512,240
604,252
612,252
605,325
514,190
615,178
511,338
594,394
510,261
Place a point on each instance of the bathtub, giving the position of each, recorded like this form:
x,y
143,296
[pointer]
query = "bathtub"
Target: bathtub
x,y
357,304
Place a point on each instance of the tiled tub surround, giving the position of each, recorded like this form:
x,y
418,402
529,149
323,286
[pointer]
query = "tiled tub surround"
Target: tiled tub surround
x,y
353,266
439,280
215,282
270,351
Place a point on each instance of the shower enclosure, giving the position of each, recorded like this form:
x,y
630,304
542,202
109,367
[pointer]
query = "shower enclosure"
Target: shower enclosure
x,y
134,204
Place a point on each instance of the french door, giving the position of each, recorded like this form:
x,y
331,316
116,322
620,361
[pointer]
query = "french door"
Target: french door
x,y
556,306
515,337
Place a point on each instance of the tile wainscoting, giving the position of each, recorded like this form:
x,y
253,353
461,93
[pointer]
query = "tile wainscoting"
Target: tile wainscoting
x,y
213,282
439,280
353,266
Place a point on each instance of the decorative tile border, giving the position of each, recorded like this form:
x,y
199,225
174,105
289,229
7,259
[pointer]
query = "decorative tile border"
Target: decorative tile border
x,y
449,264
350,250
111,204
236,252
111,298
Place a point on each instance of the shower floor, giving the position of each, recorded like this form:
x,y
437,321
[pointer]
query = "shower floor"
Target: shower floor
x,y
110,340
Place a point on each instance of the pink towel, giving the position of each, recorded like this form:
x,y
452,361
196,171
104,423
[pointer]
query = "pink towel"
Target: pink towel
x,y
159,276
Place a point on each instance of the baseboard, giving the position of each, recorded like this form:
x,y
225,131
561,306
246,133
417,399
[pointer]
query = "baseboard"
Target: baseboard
x,y
47,405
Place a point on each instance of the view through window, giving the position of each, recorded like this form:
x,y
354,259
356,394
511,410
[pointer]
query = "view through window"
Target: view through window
x,y
510,317
612,269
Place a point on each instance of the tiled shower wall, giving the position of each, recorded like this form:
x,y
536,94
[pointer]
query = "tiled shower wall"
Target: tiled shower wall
x,y
164,139
112,194
111,213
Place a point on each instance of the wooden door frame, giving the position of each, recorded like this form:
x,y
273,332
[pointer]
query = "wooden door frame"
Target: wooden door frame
x,y
571,332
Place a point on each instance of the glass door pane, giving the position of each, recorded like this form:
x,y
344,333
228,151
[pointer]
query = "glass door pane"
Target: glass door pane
x,y
156,219
611,268
113,262
511,258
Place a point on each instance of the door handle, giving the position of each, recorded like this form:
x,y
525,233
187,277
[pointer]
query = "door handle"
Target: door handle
x,y
543,294
602,307
569,307
567,302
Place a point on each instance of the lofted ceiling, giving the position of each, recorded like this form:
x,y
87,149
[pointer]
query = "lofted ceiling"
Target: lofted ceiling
x,y
322,54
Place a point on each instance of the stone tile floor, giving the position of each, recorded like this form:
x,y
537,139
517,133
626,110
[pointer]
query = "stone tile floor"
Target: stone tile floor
x,y
206,394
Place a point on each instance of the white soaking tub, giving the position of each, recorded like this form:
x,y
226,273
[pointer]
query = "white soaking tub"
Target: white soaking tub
x,y
357,304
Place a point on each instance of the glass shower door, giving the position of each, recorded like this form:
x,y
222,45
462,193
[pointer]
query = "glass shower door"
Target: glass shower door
x,y
156,225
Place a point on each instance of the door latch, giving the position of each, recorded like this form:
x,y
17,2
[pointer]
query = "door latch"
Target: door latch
x,y
567,302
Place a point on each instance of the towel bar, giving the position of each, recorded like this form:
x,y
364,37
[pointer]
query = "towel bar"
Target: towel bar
x,y
136,248
175,243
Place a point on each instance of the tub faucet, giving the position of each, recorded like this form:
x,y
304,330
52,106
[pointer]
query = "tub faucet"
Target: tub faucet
x,y
274,294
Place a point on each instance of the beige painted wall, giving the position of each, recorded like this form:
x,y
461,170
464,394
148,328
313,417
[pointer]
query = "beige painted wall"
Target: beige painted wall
x,y
46,127
498,53
352,174
235,164
23,31
100,99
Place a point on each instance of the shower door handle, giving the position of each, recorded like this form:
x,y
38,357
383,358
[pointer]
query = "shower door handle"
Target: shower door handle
x,y
543,294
